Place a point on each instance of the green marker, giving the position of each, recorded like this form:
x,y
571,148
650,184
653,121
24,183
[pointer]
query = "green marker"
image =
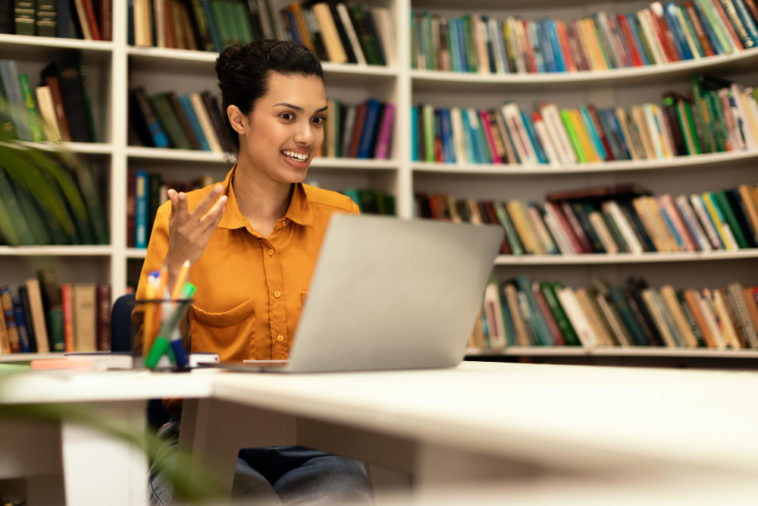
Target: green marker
x,y
162,343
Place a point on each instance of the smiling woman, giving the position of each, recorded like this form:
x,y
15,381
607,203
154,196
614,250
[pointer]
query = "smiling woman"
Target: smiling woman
x,y
252,243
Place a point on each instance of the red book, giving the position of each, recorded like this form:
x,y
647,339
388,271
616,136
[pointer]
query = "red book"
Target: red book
x,y
488,134
92,20
629,40
355,140
103,318
67,300
60,113
576,228
576,244
577,48
563,41
531,63
662,31
106,19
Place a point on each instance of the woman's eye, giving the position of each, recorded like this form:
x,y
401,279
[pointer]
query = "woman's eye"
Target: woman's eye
x,y
287,115
319,120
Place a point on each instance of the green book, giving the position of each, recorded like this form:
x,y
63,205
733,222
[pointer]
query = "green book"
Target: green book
x,y
721,200
568,124
613,228
693,127
713,19
8,196
700,114
242,18
169,120
7,130
223,24
87,100
717,125
355,195
470,49
33,116
8,232
559,315
539,323
618,298
46,18
24,16
510,230
429,132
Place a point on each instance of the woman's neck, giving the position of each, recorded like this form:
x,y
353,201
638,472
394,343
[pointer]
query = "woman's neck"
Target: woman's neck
x,y
260,200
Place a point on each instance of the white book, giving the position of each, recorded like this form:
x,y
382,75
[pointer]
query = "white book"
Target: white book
x,y
646,23
521,45
539,226
655,130
564,244
547,143
727,325
47,111
669,150
459,139
383,20
656,310
494,315
606,239
692,223
639,119
705,301
625,228
480,42
705,221
351,35
578,319
739,100
523,145
555,125
752,111
496,36
205,122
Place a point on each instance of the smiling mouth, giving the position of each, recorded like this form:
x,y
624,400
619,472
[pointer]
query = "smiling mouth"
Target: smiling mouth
x,y
300,157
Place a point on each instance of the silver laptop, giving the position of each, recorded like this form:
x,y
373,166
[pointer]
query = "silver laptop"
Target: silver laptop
x,y
390,294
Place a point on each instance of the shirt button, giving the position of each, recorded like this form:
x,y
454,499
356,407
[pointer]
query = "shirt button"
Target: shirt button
x,y
284,222
270,252
280,338
277,293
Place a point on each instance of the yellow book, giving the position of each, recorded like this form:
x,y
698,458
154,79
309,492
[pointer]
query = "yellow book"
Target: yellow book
x,y
587,146
644,213
329,33
638,116
669,297
669,241
521,222
589,35
717,222
725,319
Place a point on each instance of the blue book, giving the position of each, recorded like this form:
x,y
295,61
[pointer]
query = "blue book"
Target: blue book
x,y
140,209
533,138
691,28
539,57
472,142
611,135
500,41
213,25
634,27
593,133
538,320
23,335
546,45
710,217
370,128
448,150
197,130
414,133
680,41
624,142
747,20
557,53
672,228
63,22
692,227
461,37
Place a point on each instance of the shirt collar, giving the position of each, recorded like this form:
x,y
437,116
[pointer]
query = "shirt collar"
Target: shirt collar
x,y
299,210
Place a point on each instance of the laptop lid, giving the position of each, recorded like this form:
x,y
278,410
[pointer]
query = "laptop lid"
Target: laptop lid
x,y
388,293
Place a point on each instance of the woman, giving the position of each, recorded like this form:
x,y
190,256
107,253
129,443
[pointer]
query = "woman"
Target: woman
x,y
252,242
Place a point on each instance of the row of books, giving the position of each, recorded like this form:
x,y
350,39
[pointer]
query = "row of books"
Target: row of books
x,y
82,19
59,108
661,33
372,201
717,116
186,121
44,316
334,31
146,191
49,197
522,312
618,219
359,130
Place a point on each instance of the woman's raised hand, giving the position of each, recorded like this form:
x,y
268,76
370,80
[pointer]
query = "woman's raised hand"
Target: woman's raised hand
x,y
189,231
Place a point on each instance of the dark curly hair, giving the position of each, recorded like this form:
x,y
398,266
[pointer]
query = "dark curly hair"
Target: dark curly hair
x,y
243,71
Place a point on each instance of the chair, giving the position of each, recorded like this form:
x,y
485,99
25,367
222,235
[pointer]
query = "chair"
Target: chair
x,y
122,339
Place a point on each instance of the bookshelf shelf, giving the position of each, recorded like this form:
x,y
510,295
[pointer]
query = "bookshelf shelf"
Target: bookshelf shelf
x,y
84,148
54,251
426,80
704,161
15,43
626,258
136,253
642,351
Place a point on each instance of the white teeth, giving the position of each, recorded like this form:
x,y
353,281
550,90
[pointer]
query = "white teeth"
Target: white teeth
x,y
297,156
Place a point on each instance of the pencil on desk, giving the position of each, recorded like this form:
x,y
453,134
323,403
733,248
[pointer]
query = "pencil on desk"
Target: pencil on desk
x,y
179,284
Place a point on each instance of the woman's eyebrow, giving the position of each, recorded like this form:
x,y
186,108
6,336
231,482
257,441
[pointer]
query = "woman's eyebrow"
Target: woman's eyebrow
x,y
298,108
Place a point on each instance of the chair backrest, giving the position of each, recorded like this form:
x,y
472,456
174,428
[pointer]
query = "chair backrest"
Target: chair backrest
x,y
122,327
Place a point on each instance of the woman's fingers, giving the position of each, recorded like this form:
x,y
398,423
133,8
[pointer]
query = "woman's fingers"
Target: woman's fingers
x,y
205,204
213,217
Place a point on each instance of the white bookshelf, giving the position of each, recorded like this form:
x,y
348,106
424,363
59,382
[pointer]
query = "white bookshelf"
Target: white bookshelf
x,y
116,66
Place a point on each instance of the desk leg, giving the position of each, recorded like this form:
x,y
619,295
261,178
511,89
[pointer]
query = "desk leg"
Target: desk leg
x,y
99,468
213,432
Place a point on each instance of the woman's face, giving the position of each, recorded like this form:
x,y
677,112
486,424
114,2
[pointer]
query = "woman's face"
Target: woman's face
x,y
285,128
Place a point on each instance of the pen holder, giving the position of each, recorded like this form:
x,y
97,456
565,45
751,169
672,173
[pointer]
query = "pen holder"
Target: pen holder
x,y
162,329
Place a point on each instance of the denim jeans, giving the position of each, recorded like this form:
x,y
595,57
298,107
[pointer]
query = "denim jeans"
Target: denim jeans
x,y
276,475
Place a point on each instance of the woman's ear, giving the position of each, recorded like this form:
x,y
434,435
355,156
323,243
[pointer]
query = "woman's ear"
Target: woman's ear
x,y
236,119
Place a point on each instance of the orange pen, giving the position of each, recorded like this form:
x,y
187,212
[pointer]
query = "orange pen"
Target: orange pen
x,y
183,275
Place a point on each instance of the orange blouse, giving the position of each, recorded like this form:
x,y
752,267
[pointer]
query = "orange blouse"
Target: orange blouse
x,y
250,289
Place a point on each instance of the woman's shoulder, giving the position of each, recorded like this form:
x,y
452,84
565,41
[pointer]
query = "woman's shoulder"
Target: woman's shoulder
x,y
329,198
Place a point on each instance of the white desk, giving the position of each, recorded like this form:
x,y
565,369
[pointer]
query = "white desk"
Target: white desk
x,y
99,469
498,421
490,420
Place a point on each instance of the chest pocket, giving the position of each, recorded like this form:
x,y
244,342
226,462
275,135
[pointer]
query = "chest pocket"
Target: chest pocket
x,y
228,333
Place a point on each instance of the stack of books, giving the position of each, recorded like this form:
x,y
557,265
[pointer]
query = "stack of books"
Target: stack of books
x,y
715,116
44,316
624,218
335,32
661,33
359,131
522,312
